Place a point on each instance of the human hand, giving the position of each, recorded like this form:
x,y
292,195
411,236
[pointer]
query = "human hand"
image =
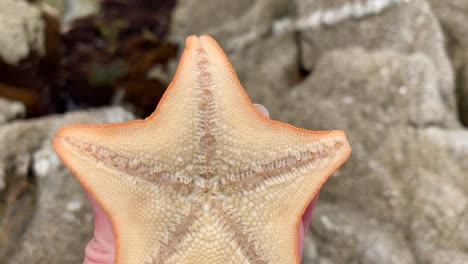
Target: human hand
x,y
101,248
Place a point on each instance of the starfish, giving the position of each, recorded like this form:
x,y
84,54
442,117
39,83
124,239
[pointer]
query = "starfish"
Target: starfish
x,y
206,178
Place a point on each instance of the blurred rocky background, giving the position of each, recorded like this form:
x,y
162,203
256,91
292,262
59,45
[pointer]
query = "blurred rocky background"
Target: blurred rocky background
x,y
392,73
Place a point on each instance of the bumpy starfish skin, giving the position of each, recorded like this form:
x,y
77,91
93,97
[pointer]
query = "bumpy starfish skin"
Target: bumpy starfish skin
x,y
205,178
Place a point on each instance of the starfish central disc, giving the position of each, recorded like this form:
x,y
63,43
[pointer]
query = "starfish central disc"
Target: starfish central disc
x,y
205,178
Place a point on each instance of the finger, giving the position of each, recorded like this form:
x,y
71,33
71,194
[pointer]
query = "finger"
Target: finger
x,y
101,249
262,109
304,226
300,244
307,216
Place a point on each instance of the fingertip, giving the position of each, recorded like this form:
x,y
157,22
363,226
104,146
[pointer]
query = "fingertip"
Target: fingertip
x,y
262,109
307,216
300,243
101,249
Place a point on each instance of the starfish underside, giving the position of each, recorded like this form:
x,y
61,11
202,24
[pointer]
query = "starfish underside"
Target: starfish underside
x,y
206,178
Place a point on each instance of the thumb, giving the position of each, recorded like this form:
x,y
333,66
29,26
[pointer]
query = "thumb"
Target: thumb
x,y
101,249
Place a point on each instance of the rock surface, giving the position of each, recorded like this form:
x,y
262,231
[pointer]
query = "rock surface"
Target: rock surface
x,y
29,47
453,16
76,9
10,110
22,30
403,194
45,217
404,26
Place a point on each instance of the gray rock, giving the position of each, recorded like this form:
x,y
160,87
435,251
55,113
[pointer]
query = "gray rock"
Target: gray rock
x,y
22,30
454,141
10,110
233,24
453,15
204,16
406,92
75,9
267,69
45,217
402,196
309,255
462,90
404,26
352,231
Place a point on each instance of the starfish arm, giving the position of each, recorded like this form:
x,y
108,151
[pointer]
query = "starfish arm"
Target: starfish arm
x,y
168,140
142,213
272,207
246,142
283,155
